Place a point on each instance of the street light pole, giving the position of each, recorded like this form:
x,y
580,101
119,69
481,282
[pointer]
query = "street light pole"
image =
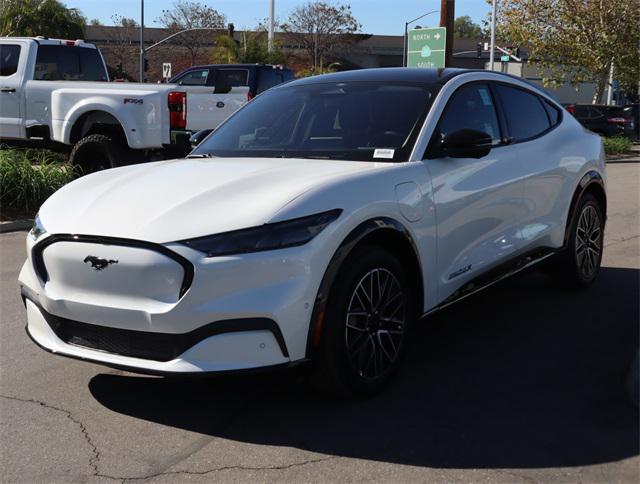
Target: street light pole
x,y
405,54
141,40
404,45
272,9
493,34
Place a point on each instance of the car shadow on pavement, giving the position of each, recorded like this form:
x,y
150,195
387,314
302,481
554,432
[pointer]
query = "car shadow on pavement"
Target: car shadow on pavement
x,y
524,375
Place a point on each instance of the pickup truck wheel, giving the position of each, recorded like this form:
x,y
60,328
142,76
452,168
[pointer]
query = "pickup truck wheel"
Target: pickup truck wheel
x,y
96,152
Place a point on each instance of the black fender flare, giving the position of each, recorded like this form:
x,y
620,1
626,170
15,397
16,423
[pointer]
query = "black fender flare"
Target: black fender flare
x,y
589,179
358,234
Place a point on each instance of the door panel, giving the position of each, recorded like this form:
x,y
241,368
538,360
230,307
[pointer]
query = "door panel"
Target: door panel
x,y
11,90
540,148
479,202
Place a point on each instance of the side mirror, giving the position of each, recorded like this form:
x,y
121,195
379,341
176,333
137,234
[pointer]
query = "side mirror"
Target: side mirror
x,y
466,143
197,137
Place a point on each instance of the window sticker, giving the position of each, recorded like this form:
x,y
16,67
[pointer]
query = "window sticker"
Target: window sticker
x,y
486,99
384,153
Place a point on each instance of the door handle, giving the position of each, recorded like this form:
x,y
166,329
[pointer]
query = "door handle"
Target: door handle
x,y
7,89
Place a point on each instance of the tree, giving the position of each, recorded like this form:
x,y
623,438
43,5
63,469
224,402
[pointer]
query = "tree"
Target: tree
x,y
465,28
321,28
122,45
253,48
576,40
40,17
190,15
94,22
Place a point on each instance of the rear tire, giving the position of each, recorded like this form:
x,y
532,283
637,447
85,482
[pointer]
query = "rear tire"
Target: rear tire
x,y
370,309
579,263
97,152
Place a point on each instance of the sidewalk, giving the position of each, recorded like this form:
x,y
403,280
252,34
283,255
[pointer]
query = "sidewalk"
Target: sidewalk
x,y
15,225
632,157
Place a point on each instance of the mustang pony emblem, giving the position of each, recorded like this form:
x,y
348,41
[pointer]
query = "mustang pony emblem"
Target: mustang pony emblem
x,y
99,264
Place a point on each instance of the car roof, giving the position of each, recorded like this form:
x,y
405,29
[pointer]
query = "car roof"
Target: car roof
x,y
47,41
232,66
388,74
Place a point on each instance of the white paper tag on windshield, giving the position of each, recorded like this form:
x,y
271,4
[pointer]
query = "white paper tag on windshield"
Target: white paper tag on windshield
x,y
384,153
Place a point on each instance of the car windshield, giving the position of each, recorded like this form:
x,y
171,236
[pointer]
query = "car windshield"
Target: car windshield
x,y
361,121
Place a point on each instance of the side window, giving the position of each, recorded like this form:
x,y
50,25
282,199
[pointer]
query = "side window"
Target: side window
x,y
268,78
471,107
581,112
57,63
524,112
232,77
9,56
194,78
595,113
91,65
65,63
552,112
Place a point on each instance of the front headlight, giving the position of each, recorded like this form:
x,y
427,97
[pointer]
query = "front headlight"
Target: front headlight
x,y
38,229
279,235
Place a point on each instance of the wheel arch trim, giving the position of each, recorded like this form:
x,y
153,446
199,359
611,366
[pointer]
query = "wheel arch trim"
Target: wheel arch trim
x,y
363,230
590,179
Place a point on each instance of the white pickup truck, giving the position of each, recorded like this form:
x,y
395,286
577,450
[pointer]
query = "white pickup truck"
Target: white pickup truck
x,y
57,91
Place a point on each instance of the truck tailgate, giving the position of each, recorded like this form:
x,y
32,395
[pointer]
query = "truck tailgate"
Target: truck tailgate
x,y
206,109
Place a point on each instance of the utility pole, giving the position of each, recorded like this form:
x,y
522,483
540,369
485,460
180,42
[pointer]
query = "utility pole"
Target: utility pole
x,y
610,90
447,15
272,9
141,40
493,34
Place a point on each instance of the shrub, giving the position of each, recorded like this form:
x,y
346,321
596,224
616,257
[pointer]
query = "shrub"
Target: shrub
x,y
616,144
28,177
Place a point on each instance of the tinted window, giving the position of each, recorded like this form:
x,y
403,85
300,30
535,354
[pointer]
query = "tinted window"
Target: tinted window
x,y
552,112
195,78
526,117
595,113
347,121
65,63
232,77
471,107
9,56
269,78
581,112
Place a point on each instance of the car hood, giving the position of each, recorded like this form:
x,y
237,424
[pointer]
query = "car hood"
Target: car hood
x,y
178,199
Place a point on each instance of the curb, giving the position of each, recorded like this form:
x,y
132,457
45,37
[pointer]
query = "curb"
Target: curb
x,y
15,225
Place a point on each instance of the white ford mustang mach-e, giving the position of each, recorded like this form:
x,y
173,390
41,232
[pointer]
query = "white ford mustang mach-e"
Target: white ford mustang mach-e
x,y
317,224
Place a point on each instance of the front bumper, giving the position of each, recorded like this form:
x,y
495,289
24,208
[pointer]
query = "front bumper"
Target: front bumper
x,y
239,313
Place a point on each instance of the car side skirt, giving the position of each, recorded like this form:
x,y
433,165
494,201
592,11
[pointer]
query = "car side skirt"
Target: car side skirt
x,y
495,275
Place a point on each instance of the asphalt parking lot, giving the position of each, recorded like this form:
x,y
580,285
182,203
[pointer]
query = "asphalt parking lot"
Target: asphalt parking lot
x,y
524,382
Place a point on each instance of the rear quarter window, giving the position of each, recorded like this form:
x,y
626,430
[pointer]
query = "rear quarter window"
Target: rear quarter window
x,y
552,112
232,77
269,78
66,63
525,114
9,56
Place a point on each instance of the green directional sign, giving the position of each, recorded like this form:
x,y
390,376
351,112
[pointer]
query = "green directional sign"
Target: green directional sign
x,y
426,47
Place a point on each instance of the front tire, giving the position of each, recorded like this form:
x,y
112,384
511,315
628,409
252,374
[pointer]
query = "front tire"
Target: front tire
x,y
369,312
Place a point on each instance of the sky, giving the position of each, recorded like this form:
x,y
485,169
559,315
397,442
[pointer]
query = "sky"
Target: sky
x,y
382,17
